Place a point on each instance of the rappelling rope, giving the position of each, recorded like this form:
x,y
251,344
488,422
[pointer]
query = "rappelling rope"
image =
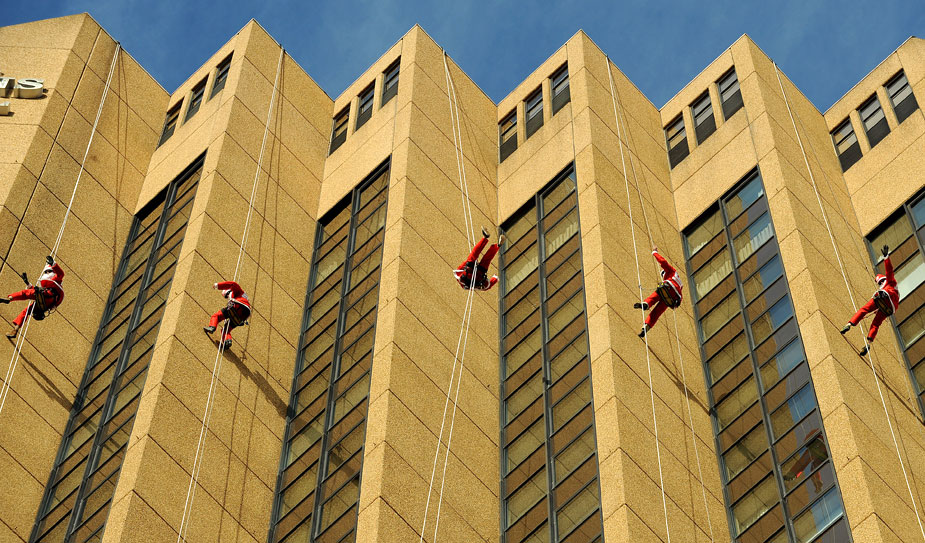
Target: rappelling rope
x,y
466,319
20,341
217,365
674,315
853,302
658,451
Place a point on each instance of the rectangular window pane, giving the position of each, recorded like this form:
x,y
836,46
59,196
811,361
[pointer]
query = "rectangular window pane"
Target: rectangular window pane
x,y
533,110
846,144
704,122
677,141
507,136
390,82
560,89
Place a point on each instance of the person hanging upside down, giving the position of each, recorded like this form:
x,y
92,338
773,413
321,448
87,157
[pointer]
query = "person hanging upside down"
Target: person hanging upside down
x,y
667,294
481,280
884,301
49,294
237,311
814,456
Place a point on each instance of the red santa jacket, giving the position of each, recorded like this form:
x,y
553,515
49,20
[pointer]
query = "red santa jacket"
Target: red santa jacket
x,y
234,293
51,279
669,274
890,286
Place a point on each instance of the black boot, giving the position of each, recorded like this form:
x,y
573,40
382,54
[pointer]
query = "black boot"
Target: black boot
x,y
209,329
12,334
845,329
4,300
227,344
485,233
643,332
863,351
644,306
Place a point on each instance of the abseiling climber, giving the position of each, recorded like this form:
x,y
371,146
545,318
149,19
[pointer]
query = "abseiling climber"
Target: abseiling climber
x,y
667,294
884,301
480,279
237,311
46,296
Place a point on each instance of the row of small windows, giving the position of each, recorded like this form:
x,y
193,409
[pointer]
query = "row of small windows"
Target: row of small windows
x,y
533,112
196,98
365,105
873,119
704,121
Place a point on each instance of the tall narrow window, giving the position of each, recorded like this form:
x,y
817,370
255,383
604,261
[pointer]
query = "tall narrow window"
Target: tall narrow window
x,y
560,89
729,93
80,489
549,467
339,129
846,145
677,141
778,478
874,120
904,232
365,106
901,96
317,492
195,99
507,136
390,82
221,76
170,122
534,112
704,122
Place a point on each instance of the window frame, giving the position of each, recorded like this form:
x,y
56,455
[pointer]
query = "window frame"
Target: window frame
x,y
533,112
881,128
564,95
705,127
732,103
506,147
389,91
366,96
221,75
678,152
171,122
852,154
340,120
196,99
901,110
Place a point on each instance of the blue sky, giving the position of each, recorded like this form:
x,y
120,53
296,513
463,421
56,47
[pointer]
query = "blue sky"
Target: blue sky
x,y
824,46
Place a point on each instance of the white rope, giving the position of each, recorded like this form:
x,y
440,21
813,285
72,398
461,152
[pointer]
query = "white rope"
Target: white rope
x,y
217,365
20,341
645,336
467,314
853,302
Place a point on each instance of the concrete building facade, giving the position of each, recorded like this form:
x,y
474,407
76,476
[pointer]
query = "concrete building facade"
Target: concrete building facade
x,y
743,415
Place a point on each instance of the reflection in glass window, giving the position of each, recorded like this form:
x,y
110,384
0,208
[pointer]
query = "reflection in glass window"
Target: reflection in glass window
x,y
745,197
710,275
703,233
819,516
753,237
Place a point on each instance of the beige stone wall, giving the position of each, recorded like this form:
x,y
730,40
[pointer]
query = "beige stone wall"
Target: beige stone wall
x,y
618,154
43,145
241,454
421,307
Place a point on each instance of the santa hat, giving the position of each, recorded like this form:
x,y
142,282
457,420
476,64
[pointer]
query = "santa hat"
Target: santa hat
x,y
881,279
227,293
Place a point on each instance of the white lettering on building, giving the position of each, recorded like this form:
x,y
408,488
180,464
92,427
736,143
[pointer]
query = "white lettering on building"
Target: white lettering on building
x,y
29,88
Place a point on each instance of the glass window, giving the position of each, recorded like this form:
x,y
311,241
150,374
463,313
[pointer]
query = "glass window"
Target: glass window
x,y
704,122
893,235
195,99
874,120
740,455
560,89
390,82
328,430
703,233
507,136
793,410
677,141
781,364
729,93
736,402
910,275
753,237
710,275
339,129
901,96
365,106
819,516
770,272
221,76
744,198
546,381
719,316
757,502
846,144
170,122
766,324
533,110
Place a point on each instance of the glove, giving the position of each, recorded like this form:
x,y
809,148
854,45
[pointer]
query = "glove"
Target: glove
x,y
50,260
215,286
885,250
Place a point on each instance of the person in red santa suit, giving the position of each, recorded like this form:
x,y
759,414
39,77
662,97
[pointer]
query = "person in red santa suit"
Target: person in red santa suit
x,y
883,303
237,311
471,275
48,295
667,294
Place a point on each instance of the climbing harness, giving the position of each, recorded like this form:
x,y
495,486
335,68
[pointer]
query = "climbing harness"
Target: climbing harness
x,y
217,365
458,357
668,294
851,297
31,314
884,303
